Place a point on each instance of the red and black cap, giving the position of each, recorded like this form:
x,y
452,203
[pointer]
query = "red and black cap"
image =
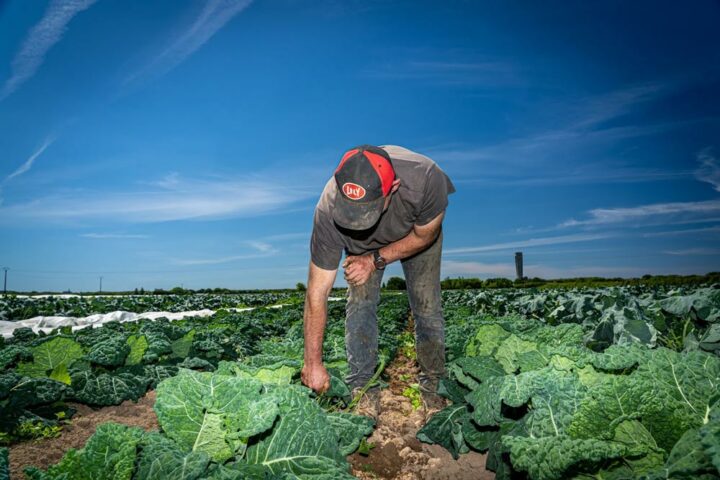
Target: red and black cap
x,y
364,178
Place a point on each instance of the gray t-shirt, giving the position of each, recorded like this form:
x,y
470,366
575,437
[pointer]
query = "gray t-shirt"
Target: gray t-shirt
x,y
422,196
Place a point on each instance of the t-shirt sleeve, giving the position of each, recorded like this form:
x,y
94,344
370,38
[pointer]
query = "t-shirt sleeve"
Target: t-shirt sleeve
x,y
435,195
326,247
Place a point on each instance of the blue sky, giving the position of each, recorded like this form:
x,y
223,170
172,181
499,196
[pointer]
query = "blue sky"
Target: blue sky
x,y
185,143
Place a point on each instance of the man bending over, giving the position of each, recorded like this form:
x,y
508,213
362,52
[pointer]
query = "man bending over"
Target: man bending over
x,y
382,205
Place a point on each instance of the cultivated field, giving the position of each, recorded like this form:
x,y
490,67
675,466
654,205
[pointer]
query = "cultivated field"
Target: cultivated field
x,y
566,383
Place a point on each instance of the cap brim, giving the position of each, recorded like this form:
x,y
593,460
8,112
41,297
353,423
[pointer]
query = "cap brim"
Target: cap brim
x,y
355,215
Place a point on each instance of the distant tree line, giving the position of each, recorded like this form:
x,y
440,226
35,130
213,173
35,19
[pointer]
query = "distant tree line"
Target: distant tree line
x,y
656,280
398,283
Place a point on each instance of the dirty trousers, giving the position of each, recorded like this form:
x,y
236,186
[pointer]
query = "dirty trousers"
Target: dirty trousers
x,y
422,275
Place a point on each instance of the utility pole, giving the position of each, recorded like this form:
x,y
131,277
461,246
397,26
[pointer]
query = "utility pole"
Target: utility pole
x,y
101,284
5,283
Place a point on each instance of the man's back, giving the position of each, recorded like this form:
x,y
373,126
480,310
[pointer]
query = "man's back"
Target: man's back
x,y
422,195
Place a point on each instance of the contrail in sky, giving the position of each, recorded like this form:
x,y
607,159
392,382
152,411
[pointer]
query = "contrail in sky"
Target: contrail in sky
x,y
214,15
40,40
29,162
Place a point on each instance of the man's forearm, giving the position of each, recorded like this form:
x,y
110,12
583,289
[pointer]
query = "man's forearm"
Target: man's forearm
x,y
407,246
315,317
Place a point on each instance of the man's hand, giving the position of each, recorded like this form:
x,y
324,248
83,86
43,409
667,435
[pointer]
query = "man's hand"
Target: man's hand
x,y
358,268
316,377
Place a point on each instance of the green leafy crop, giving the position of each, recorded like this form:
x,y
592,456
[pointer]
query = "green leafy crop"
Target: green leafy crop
x,y
413,394
53,354
108,455
561,410
229,400
4,464
214,414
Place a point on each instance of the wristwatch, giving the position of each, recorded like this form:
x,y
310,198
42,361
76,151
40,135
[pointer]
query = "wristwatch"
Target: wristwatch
x,y
378,260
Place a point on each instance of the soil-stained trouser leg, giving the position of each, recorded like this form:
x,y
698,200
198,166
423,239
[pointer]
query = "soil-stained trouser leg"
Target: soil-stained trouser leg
x,y
361,330
422,275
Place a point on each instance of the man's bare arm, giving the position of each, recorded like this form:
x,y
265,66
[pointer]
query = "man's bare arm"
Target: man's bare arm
x,y
419,238
320,283
359,268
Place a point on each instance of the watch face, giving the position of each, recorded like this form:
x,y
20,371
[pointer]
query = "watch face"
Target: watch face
x,y
379,261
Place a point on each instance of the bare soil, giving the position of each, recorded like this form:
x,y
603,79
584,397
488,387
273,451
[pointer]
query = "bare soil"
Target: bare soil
x,y
46,452
398,454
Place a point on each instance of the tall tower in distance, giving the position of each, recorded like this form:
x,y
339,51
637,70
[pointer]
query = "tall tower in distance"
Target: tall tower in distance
x,y
519,265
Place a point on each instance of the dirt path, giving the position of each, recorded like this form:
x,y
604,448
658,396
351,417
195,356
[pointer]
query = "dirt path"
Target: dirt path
x,y
398,455
46,452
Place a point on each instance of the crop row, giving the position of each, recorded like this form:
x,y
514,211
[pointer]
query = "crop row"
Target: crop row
x,y
13,307
545,400
675,318
121,361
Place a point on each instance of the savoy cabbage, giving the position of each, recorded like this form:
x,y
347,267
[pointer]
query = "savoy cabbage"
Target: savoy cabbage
x,y
559,409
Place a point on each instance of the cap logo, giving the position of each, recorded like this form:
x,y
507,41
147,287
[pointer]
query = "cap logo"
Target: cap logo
x,y
353,191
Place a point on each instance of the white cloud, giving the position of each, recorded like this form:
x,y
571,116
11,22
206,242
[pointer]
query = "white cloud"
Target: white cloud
x,y
507,270
533,242
557,152
40,40
555,157
262,250
194,199
289,236
262,247
113,235
581,175
694,251
170,181
219,260
689,231
669,212
480,269
31,159
583,119
597,109
546,271
214,15
709,169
